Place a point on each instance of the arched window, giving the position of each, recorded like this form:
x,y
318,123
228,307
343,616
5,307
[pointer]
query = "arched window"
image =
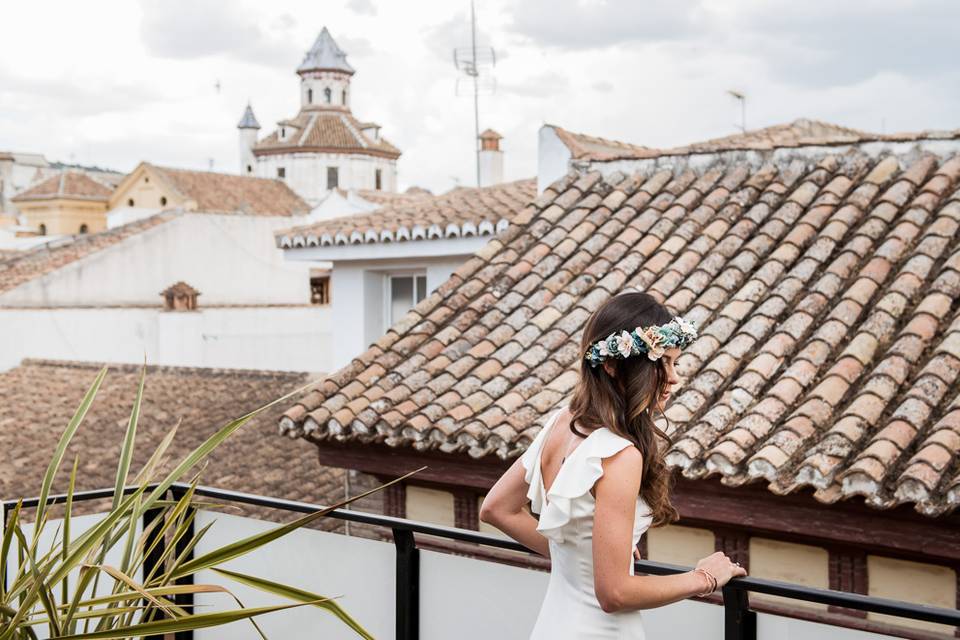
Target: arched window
x,y
309,96
83,228
283,132
249,169
42,229
343,97
327,95
163,201
129,202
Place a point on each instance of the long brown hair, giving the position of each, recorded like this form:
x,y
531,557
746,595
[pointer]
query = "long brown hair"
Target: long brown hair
x,y
625,401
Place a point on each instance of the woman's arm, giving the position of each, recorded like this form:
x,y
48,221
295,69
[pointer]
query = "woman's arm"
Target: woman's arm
x,y
505,508
616,500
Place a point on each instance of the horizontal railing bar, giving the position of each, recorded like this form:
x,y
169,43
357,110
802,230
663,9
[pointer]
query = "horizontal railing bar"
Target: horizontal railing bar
x,y
748,583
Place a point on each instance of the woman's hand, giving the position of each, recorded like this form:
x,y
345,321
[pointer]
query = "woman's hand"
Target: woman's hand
x,y
721,567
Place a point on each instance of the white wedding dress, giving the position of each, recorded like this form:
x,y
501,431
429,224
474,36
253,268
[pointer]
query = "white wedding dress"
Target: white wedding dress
x,y
570,608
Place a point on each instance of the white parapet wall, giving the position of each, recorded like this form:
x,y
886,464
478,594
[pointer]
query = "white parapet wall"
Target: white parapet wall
x,y
266,338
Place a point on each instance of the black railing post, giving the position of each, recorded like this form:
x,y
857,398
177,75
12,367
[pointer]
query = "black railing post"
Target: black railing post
x,y
153,558
739,622
185,600
408,585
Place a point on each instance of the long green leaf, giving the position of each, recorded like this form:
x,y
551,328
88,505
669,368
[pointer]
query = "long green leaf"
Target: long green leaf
x,y
64,589
146,473
299,595
187,623
248,544
13,520
129,439
62,447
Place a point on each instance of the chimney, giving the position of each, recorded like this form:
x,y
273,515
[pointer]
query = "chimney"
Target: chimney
x,y
180,297
491,158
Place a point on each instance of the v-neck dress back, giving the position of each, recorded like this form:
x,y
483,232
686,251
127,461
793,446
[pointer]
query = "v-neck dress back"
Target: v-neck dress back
x,y
570,608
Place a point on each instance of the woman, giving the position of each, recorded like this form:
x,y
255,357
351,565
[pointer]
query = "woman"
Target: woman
x,y
596,476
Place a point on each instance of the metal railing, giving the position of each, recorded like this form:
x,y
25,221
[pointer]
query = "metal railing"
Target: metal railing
x,y
740,622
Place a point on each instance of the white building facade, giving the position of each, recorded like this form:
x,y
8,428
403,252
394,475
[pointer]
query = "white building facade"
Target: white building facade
x,y
323,147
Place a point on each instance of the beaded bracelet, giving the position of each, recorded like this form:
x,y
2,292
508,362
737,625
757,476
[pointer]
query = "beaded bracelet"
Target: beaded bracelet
x,y
710,579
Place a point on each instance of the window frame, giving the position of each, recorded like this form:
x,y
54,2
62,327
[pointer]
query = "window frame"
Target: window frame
x,y
388,279
335,174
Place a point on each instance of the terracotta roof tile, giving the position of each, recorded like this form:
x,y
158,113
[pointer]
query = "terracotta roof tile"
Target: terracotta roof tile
x,y
226,193
458,213
824,290
325,130
256,459
67,184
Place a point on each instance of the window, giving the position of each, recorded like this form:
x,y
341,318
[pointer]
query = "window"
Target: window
x,y
378,179
309,96
83,228
343,97
129,202
405,292
163,201
146,178
249,169
281,172
42,229
327,95
320,288
333,177
283,132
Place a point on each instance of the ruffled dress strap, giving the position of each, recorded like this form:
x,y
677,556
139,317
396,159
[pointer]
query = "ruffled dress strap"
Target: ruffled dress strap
x,y
531,462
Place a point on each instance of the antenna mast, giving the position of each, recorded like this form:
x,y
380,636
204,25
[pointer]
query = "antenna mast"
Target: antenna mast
x,y
742,98
475,63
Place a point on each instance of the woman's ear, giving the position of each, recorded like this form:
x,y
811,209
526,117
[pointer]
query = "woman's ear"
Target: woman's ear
x,y
608,367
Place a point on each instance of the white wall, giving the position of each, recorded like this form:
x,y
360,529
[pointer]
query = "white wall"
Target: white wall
x,y
230,259
553,158
271,338
357,296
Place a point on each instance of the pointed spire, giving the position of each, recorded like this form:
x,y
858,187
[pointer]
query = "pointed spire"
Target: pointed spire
x,y
325,55
248,121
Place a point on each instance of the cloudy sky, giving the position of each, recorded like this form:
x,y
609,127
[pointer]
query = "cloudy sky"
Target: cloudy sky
x,y
114,83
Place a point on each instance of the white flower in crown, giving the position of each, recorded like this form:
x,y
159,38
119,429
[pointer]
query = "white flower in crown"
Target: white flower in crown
x,y
602,349
686,327
624,343
654,341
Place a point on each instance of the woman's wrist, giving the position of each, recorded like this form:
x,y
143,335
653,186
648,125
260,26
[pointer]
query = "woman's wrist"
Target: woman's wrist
x,y
708,581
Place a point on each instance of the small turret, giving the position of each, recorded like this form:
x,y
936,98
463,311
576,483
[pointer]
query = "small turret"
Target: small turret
x,y
248,127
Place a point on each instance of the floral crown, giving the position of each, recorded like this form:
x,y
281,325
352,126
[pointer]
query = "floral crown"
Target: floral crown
x,y
652,340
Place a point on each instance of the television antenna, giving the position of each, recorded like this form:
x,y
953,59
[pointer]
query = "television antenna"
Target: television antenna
x,y
742,98
475,64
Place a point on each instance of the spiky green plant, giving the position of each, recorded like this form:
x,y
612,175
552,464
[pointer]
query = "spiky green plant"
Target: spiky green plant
x,y
39,594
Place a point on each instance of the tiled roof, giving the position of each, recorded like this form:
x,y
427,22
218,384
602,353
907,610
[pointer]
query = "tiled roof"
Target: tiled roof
x,y
801,132
326,130
587,147
67,184
33,263
825,288
457,213
227,193
40,397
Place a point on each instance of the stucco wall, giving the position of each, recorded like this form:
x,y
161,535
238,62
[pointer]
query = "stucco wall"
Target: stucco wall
x,y
796,563
679,545
272,338
912,582
430,505
65,216
229,259
357,297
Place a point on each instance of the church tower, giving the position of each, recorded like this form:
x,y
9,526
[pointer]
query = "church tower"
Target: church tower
x,y
248,128
325,147
325,75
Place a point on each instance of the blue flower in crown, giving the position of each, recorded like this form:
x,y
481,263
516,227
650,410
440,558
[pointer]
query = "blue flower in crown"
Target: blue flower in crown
x,y
652,340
